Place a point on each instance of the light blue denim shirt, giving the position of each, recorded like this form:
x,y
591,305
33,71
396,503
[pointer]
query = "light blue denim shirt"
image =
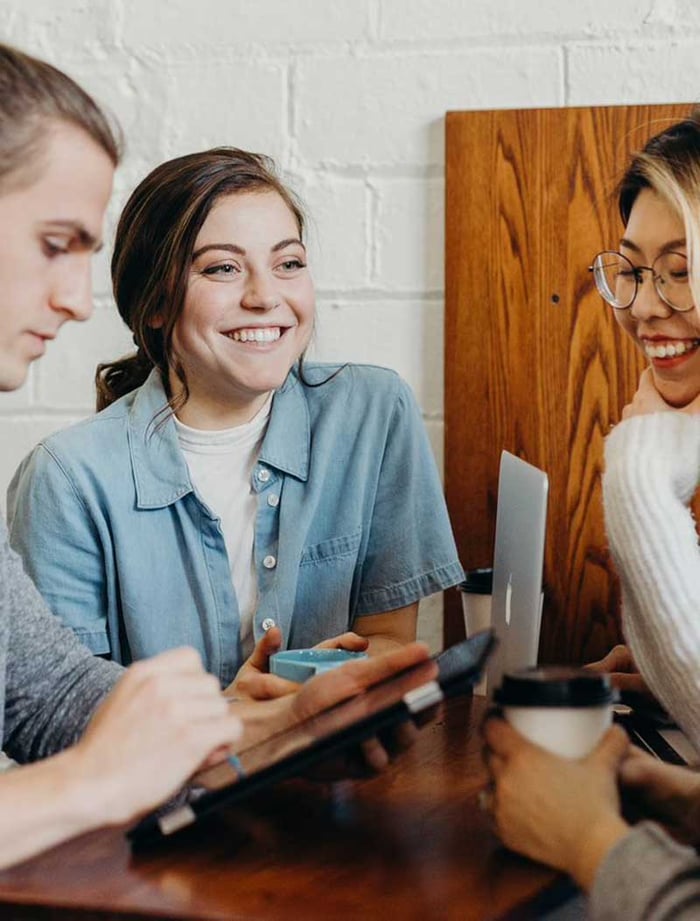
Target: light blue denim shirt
x,y
351,520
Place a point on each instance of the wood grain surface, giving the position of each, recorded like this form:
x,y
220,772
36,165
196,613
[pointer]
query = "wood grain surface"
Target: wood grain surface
x,y
411,844
534,361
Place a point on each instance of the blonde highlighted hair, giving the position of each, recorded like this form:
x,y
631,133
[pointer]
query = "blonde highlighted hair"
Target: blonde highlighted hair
x,y
669,164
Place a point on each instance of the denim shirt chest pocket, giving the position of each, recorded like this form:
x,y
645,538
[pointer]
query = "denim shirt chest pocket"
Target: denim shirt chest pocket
x,y
325,587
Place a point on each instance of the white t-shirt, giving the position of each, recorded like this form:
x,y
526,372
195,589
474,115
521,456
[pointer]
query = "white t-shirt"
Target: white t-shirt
x,y
221,466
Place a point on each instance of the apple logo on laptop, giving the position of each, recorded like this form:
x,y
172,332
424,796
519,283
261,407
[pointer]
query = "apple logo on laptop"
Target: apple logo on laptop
x,y
509,595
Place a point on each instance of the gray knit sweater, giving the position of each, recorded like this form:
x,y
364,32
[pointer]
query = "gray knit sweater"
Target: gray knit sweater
x,y
50,683
647,877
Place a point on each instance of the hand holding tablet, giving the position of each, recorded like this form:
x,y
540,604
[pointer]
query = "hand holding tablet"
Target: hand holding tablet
x,y
348,719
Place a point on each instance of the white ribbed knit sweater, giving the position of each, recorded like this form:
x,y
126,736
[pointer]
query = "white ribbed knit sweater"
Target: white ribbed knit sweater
x,y
652,469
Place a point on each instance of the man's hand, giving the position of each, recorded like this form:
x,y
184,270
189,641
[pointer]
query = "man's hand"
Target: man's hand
x,y
563,812
165,717
665,792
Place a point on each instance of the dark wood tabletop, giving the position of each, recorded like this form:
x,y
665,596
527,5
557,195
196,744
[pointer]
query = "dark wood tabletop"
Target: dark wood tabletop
x,y
409,844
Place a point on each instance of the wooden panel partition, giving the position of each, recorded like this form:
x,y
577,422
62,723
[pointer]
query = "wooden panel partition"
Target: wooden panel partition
x,y
534,360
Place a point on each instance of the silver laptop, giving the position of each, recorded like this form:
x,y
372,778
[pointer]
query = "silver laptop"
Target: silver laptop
x,y
521,525
516,605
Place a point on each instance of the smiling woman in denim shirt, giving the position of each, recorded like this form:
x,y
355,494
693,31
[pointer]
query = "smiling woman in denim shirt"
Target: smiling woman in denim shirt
x,y
229,493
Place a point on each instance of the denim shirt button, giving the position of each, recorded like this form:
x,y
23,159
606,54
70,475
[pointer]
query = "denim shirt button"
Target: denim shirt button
x,y
263,475
267,624
273,500
270,562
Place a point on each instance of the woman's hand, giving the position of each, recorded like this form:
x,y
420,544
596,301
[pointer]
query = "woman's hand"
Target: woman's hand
x,y
165,717
262,719
624,674
562,812
254,681
665,792
647,399
353,642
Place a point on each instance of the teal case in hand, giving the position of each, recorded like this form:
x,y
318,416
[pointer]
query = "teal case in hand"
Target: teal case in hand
x,y
301,664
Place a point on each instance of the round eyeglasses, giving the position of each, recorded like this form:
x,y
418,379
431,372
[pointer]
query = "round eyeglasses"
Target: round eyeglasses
x,y
618,280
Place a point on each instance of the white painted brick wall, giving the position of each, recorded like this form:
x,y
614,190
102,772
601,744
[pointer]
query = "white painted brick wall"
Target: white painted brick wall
x,y
385,108
409,235
350,96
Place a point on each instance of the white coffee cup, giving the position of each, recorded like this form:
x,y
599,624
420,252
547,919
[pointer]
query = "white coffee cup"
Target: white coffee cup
x,y
476,600
565,710
476,607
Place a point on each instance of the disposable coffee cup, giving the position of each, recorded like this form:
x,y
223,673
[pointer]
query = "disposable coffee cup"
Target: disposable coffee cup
x,y
476,607
476,600
565,710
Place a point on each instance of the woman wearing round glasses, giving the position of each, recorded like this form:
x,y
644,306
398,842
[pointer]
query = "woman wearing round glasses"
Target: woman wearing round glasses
x,y
653,458
567,813
647,282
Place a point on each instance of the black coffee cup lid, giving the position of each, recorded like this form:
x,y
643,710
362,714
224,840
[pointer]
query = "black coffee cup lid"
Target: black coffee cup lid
x,y
478,582
555,687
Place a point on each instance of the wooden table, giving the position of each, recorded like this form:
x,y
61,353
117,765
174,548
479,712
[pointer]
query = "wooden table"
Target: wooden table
x,y
410,844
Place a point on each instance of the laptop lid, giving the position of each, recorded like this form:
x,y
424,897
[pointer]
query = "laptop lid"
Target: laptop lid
x,y
516,607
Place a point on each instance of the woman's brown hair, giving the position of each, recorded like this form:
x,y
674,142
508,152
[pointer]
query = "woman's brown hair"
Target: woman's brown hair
x,y
153,253
33,93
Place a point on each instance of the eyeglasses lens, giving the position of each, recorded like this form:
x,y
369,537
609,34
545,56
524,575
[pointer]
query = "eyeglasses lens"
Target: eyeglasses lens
x,y
617,280
672,281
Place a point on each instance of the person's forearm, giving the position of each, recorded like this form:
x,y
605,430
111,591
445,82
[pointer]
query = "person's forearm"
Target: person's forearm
x,y
43,805
388,631
380,644
593,850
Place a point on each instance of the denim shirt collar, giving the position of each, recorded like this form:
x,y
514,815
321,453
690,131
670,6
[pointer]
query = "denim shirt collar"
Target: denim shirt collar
x,y
287,443
160,470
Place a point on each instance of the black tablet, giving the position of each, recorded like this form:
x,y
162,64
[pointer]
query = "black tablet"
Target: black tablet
x,y
286,754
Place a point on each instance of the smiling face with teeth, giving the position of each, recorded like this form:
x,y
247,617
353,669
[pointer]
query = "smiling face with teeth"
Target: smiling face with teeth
x,y
670,340
248,312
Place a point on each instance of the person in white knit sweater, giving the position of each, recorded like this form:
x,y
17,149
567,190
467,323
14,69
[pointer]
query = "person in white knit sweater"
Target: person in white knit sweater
x,y
567,813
